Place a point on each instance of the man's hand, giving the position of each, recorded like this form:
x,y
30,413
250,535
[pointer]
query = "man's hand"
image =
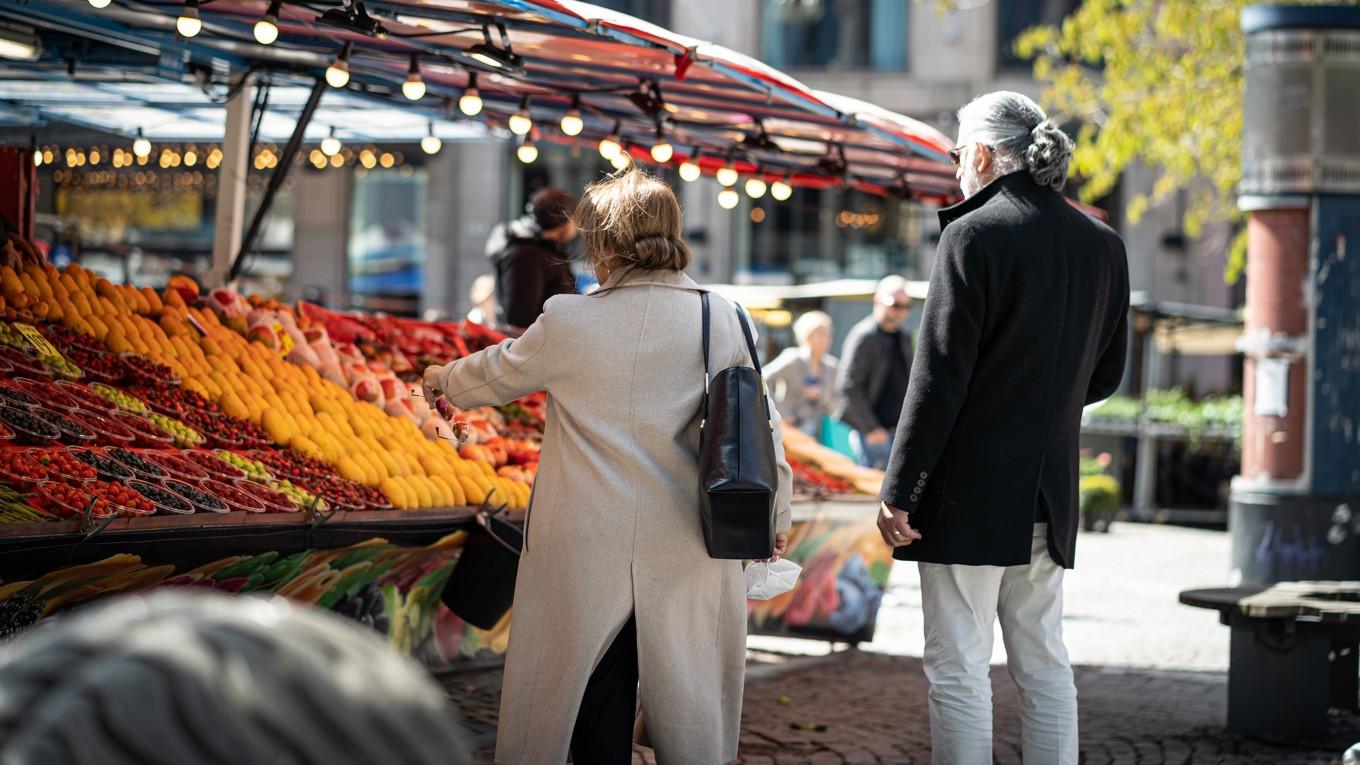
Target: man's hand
x,y
893,525
877,437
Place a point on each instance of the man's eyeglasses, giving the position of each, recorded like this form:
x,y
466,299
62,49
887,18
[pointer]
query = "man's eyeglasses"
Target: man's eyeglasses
x,y
900,305
956,153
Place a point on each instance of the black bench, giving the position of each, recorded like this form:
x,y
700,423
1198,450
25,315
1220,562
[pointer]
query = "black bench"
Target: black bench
x,y
1293,653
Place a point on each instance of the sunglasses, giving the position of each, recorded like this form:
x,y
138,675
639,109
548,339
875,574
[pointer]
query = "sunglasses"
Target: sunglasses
x,y
956,153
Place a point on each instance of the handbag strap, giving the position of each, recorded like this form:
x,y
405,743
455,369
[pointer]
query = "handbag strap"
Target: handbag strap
x,y
755,358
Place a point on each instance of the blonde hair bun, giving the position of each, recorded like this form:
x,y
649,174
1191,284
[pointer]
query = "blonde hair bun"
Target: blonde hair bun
x,y
634,217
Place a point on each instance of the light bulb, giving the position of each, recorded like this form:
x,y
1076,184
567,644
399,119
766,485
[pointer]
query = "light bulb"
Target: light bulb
x,y
414,87
189,24
609,148
527,152
755,188
37,159
621,161
690,172
662,152
337,74
727,175
100,3
781,190
267,28
572,124
728,199
471,102
330,145
520,123
141,147
431,144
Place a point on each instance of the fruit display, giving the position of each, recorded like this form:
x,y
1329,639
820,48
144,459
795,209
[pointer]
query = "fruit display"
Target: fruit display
x,y
27,427
72,432
300,497
145,372
144,433
174,402
61,500
122,399
19,469
252,468
272,501
825,469
200,500
83,396
184,436
136,463
107,468
118,499
61,465
811,481
166,501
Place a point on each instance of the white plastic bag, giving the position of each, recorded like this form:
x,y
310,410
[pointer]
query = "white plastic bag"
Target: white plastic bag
x,y
768,580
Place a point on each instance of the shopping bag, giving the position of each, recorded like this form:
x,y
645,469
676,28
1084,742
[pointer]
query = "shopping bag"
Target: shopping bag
x,y
768,580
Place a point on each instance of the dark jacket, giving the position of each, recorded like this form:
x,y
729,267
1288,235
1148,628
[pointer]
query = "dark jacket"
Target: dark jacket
x,y
529,270
1025,323
864,372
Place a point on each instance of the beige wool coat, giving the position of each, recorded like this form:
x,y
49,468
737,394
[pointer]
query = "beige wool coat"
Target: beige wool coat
x,y
613,526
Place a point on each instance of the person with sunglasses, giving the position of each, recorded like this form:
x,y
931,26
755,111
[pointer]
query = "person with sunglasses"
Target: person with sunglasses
x,y
875,369
1025,324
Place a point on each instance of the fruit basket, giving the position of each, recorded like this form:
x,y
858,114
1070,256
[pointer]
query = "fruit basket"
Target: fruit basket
x,y
119,399
27,428
61,465
142,371
65,501
273,501
108,468
145,434
300,497
174,402
72,431
107,431
83,396
12,395
98,366
24,363
165,500
252,468
42,391
235,498
20,470
182,435
137,464
120,499
201,500
215,467
177,466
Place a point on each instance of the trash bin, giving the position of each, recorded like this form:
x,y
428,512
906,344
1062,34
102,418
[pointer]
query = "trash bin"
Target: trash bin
x,y
482,584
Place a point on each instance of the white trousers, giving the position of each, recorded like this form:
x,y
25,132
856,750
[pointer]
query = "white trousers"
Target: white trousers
x,y
961,606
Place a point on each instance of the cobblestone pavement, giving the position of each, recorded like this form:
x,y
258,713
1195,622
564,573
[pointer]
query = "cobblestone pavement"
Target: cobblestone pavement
x,y
1151,675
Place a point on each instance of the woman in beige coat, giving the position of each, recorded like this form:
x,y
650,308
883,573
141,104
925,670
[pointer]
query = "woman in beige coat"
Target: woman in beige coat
x,y
615,585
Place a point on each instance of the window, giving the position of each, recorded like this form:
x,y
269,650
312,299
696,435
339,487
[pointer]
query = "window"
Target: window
x,y
835,34
655,11
1014,17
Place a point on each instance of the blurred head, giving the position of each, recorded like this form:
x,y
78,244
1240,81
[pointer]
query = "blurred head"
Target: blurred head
x,y
550,209
483,290
181,677
891,303
1003,132
631,221
813,331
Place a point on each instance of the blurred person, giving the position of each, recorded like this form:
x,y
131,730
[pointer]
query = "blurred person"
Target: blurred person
x,y
615,584
802,380
192,677
483,296
530,257
1025,324
874,370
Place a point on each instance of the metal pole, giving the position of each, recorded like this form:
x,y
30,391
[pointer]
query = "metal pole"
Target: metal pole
x,y
231,185
1145,464
279,176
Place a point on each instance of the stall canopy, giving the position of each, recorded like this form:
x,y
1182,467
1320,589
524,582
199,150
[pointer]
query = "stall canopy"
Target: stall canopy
x,y
662,97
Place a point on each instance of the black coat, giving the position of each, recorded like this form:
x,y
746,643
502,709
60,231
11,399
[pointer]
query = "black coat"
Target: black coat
x,y
865,364
529,270
1025,323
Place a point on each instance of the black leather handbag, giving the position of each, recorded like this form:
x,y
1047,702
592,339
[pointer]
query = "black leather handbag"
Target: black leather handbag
x,y
737,474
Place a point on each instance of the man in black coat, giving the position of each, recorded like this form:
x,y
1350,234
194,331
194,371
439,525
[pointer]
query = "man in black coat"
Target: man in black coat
x,y
875,370
1024,324
531,259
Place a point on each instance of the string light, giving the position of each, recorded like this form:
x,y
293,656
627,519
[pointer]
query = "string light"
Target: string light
x,y
368,159
527,152
520,123
471,101
101,4
621,160
572,124
755,187
662,151
690,170
189,24
610,147
727,175
781,190
337,74
37,159
728,199
414,87
330,145
141,146
267,28
190,158
431,144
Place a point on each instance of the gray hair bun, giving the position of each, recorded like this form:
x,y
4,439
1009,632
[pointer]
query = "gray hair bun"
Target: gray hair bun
x,y
1048,155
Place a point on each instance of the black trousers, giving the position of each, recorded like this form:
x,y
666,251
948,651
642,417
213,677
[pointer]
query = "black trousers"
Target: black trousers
x,y
604,725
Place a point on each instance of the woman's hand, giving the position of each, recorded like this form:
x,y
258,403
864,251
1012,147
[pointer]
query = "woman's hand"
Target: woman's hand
x,y
431,377
781,546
